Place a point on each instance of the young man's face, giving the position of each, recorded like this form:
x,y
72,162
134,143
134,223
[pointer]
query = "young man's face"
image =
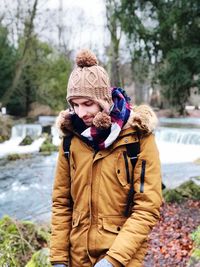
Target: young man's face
x,y
86,109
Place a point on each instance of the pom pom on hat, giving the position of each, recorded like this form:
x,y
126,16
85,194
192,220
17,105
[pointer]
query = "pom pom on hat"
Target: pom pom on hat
x,y
85,58
102,120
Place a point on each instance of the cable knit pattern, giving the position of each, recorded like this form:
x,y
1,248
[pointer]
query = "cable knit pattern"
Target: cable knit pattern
x,y
90,80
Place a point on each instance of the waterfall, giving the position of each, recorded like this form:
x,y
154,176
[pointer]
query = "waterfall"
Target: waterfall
x,y
178,145
178,135
18,133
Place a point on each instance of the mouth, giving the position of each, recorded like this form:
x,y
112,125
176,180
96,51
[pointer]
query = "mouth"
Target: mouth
x,y
88,120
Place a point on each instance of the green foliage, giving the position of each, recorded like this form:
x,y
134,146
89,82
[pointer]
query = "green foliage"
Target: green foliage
x,y
195,256
40,258
43,79
196,237
47,147
8,58
177,75
187,190
171,39
19,240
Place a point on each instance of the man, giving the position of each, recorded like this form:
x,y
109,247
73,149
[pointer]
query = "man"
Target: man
x,y
105,202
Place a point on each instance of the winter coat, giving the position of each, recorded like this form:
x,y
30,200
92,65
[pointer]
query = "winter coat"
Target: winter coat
x,y
90,195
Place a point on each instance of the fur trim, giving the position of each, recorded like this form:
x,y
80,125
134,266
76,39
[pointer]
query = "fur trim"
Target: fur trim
x,y
143,118
63,122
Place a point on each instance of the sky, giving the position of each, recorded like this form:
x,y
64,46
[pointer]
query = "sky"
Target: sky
x,y
87,18
83,21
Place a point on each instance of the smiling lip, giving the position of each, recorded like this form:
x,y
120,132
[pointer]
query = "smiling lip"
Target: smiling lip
x,y
87,120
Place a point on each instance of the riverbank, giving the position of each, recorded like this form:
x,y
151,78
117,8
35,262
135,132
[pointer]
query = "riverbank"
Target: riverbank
x,y
170,242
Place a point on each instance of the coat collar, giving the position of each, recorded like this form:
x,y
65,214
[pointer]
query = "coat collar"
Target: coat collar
x,y
142,119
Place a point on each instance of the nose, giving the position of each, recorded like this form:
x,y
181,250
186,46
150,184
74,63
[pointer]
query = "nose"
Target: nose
x,y
82,112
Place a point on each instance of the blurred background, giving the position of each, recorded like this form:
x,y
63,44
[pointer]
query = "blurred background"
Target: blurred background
x,y
150,48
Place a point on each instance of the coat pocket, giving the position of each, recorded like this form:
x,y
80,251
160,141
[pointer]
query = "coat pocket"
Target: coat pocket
x,y
122,169
113,224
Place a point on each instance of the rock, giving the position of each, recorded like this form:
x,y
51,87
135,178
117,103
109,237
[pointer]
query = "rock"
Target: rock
x,y
37,109
6,123
40,258
187,190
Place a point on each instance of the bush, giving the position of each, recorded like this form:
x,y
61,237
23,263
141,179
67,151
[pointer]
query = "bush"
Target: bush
x,y
195,257
187,190
19,240
40,258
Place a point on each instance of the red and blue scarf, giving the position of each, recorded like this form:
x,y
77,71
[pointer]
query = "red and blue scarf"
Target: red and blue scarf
x,y
100,139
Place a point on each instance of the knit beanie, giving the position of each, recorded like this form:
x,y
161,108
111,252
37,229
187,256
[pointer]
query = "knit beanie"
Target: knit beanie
x,y
89,80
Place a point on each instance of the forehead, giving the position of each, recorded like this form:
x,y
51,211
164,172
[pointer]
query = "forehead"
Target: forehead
x,y
81,100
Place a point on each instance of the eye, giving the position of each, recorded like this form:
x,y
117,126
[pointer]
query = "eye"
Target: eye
x,y
89,103
74,105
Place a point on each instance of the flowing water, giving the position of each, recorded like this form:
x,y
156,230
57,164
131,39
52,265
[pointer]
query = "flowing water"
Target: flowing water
x,y
26,184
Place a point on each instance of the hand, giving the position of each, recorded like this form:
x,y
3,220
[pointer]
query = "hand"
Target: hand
x,y
103,263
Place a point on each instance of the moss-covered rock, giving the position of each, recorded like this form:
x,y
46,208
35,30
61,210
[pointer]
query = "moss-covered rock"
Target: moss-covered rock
x,y
6,123
188,190
26,141
16,156
40,258
195,256
47,147
19,240
197,161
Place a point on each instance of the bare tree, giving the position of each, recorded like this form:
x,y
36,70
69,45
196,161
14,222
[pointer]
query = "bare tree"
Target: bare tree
x,y
114,27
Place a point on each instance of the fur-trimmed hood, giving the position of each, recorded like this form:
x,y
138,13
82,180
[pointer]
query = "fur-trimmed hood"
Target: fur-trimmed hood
x,y
142,118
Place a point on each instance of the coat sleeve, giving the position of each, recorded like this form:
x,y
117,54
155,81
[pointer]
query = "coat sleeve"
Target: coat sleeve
x,y
61,212
147,202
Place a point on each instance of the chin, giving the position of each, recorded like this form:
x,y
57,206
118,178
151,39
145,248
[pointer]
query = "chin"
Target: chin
x,y
88,123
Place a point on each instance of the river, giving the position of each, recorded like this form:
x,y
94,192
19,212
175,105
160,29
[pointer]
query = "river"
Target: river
x,y
26,184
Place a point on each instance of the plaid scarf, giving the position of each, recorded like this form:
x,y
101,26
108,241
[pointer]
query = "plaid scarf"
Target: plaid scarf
x,y
100,139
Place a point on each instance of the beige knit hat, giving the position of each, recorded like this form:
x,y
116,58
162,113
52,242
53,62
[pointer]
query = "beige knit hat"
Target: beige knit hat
x,y
90,80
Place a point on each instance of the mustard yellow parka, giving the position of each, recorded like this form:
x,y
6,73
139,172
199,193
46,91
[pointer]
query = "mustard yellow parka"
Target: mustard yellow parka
x,y
90,195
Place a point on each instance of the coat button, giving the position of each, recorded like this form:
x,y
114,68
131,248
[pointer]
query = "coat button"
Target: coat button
x,y
126,140
118,228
